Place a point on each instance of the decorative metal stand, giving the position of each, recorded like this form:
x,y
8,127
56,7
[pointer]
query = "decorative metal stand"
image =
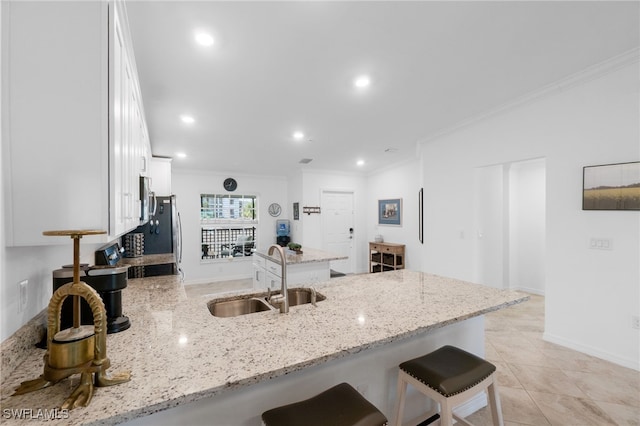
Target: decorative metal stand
x,y
80,349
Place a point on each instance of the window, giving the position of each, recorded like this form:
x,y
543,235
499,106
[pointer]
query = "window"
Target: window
x,y
228,225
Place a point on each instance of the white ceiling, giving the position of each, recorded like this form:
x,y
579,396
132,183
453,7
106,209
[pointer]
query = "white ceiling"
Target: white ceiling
x,y
278,67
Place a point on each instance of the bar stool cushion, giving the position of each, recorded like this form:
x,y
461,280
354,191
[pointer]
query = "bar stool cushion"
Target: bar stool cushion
x,y
340,405
449,370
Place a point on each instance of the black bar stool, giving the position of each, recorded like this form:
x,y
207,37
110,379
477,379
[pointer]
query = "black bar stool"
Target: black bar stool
x,y
449,376
340,405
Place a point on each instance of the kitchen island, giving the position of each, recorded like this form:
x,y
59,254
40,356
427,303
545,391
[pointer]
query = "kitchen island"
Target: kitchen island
x,y
191,367
309,266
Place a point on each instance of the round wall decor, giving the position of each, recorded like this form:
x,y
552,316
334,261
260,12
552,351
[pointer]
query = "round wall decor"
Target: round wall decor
x,y
275,209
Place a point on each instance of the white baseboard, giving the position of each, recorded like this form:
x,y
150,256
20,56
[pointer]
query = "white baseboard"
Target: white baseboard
x,y
589,350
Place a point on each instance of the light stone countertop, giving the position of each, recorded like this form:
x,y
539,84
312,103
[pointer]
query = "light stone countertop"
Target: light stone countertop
x,y
179,353
149,259
309,255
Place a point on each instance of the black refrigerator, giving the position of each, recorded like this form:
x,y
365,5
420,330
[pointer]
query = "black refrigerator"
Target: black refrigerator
x,y
162,235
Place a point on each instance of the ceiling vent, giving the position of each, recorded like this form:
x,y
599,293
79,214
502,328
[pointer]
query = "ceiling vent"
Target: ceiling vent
x,y
305,161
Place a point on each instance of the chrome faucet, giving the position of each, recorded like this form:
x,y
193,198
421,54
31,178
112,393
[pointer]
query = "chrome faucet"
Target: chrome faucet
x,y
314,296
283,298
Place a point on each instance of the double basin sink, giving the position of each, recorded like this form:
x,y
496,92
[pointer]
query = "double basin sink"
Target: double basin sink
x,y
251,303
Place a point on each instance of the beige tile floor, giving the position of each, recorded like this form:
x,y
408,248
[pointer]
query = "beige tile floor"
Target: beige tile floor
x,y
540,383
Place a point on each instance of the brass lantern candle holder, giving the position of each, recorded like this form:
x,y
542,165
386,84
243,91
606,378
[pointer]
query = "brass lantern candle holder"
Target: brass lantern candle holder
x,y
80,349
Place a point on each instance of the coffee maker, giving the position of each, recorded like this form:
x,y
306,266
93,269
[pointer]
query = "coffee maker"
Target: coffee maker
x,y
107,279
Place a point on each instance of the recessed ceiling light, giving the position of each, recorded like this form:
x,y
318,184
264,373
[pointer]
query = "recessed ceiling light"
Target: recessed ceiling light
x,y
181,155
204,39
362,81
187,119
360,162
298,135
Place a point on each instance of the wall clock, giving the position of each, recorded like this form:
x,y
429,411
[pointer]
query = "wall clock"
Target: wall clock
x,y
230,184
275,209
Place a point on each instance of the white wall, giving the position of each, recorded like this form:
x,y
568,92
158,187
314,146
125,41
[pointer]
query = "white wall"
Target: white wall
x,y
188,186
490,198
400,181
590,294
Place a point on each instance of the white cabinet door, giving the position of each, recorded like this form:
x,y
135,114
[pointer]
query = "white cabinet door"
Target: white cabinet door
x,y
259,278
145,154
272,281
127,121
119,139
273,268
70,74
55,88
160,173
130,142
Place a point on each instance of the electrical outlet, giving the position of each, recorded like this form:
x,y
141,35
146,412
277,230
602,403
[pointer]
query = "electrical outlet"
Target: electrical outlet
x,y
635,322
22,287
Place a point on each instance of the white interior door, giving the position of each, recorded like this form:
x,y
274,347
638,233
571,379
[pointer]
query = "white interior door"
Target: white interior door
x,y
337,228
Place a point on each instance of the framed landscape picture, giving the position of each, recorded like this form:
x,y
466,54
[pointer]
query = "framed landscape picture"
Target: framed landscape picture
x,y
611,187
390,212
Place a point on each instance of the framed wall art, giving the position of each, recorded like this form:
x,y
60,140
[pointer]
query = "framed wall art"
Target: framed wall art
x,y
390,212
611,187
296,211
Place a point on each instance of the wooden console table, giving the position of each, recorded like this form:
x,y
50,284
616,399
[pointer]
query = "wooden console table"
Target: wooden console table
x,y
386,257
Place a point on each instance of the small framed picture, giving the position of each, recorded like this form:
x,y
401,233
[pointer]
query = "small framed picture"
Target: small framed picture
x,y
296,211
390,212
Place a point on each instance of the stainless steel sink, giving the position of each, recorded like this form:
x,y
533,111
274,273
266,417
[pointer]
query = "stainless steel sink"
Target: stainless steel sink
x,y
300,296
234,307
250,303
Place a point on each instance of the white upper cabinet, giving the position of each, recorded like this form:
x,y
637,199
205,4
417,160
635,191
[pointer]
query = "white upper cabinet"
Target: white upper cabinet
x,y
160,173
73,124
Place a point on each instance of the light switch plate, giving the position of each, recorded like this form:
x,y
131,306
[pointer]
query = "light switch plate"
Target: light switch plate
x,y
601,244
